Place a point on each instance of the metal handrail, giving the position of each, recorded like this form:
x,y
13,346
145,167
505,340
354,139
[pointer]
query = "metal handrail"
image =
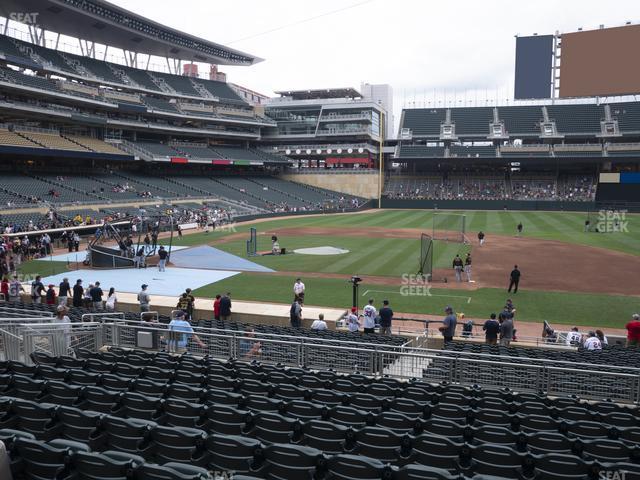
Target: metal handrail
x,y
105,314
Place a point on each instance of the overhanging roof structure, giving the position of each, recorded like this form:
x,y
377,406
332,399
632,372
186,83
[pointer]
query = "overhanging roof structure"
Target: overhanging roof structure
x,y
104,23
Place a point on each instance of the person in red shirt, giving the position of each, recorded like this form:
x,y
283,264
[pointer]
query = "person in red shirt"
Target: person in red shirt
x,y
216,307
4,288
51,296
633,331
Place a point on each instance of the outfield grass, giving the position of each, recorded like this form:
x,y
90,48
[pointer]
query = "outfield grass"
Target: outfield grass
x,y
562,226
364,256
556,307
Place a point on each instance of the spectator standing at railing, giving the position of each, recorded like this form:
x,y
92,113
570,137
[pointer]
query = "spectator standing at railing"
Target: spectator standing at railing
x,y
633,331
352,320
506,330
225,307
573,338
112,300
386,318
295,313
4,288
96,297
37,288
78,293
61,317
216,307
63,292
144,299
369,313
448,328
50,296
592,343
491,328
181,332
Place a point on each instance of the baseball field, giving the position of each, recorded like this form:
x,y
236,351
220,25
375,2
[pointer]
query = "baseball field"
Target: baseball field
x,y
569,276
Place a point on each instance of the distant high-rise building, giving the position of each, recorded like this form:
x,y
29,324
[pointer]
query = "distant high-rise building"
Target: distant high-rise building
x,y
214,74
382,94
190,70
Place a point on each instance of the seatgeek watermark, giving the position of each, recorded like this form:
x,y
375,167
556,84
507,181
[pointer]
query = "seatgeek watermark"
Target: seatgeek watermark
x,y
28,18
612,475
612,221
415,286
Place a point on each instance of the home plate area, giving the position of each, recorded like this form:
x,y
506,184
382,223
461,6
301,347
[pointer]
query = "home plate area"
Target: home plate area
x,y
326,250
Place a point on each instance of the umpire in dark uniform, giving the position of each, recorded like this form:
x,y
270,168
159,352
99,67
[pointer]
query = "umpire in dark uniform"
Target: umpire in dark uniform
x,y
514,279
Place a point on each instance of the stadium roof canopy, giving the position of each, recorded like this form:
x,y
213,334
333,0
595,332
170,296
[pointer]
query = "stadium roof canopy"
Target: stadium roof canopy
x,y
321,93
104,23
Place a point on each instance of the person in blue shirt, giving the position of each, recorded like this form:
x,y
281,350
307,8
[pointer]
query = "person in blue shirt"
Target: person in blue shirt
x,y
179,341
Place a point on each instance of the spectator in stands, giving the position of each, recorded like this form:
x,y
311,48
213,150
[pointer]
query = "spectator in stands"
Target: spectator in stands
x,y
248,348
602,337
319,324
186,303
144,299
64,290
298,289
353,323
448,328
369,314
50,295
458,266
4,288
179,341
633,331
112,300
506,330
491,328
78,293
573,337
592,343
216,307
61,317
96,294
225,307
386,318
37,288
162,259
295,313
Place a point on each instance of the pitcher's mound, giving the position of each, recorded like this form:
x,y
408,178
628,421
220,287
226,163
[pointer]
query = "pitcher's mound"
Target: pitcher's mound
x,y
321,251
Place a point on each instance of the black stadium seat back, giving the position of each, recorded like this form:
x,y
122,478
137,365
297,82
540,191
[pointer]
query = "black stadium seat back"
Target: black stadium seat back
x,y
47,372
351,467
144,386
158,375
606,451
497,435
9,436
42,358
443,427
107,465
219,382
128,435
136,405
496,460
100,399
327,397
423,472
410,407
399,423
62,393
549,442
40,461
77,425
178,444
186,393
303,410
231,453
222,397
27,388
227,420
98,366
19,368
347,416
71,362
328,437
435,451
554,466
290,392
172,471
127,370
81,377
178,413
32,417
536,423
283,462
382,444
263,404
274,428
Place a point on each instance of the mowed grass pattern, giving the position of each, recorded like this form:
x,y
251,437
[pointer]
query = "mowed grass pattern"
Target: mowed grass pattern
x,y
368,256
562,226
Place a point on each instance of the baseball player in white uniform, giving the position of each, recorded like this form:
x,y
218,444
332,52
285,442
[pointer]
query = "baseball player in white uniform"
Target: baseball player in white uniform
x,y
369,312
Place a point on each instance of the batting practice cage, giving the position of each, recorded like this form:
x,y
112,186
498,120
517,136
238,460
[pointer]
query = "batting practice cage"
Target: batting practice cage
x,y
426,257
450,227
252,243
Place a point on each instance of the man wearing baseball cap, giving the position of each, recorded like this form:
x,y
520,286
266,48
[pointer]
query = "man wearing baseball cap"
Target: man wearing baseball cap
x,y
352,320
144,299
449,324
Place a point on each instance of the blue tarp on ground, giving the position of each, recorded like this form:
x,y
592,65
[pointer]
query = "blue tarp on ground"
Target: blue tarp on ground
x,y
211,258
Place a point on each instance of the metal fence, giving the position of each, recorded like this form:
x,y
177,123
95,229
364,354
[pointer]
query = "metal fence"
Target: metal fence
x,y
591,381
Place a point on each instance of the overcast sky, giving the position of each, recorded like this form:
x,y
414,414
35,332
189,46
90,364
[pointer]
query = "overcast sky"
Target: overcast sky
x,y
416,46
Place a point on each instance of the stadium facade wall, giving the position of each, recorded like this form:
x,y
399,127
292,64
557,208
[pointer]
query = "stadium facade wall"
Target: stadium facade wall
x,y
363,185
618,192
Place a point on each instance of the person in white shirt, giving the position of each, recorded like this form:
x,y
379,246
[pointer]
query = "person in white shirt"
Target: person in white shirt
x,y
298,289
352,321
573,337
369,312
319,324
63,342
592,343
112,299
